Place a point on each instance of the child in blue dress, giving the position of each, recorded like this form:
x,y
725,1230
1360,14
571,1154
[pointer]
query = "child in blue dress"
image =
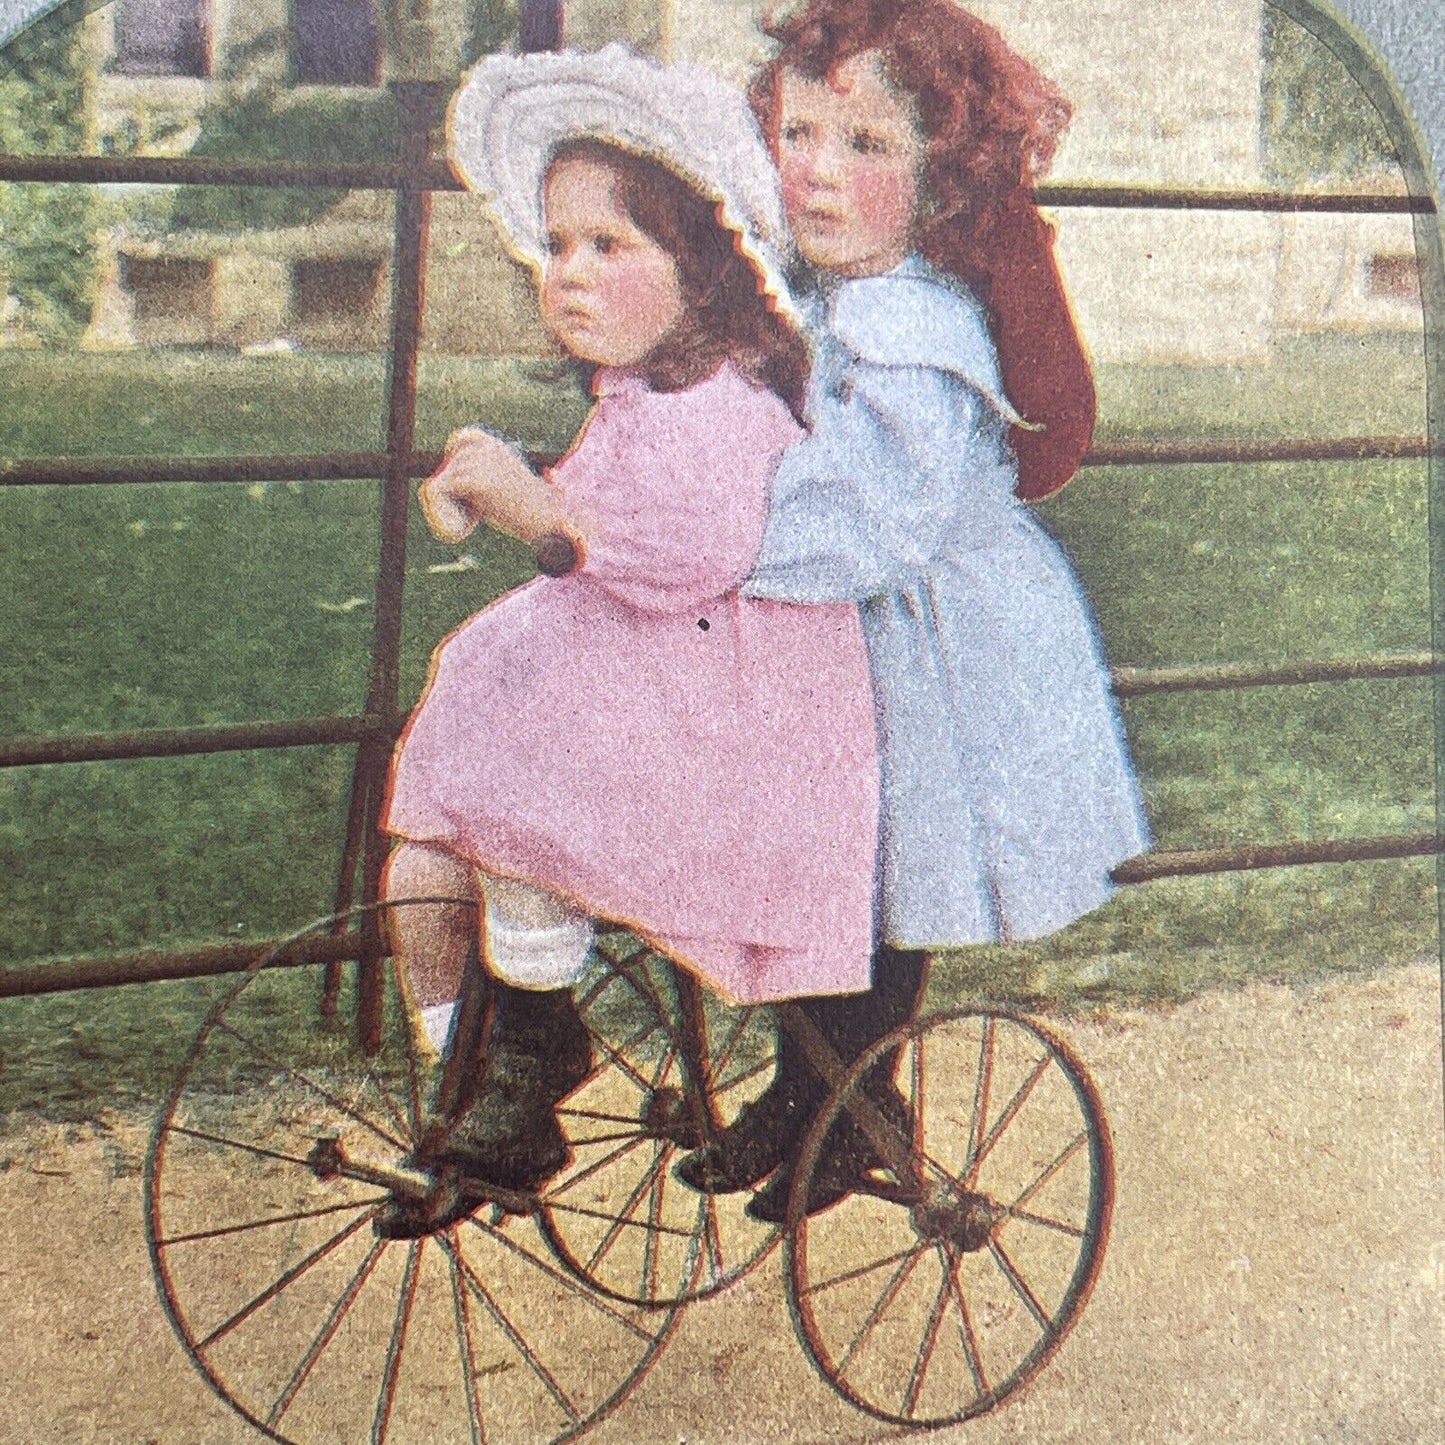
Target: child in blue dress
x,y
906,132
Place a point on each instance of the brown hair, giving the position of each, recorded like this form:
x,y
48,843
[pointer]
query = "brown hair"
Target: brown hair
x,y
992,121
729,315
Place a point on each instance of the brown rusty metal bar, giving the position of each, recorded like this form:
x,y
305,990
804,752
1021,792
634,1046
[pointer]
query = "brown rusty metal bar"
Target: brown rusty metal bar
x,y
150,966
344,466
346,876
436,175
187,742
1250,857
63,975
1172,198
131,471
1218,677
419,102
1335,449
216,171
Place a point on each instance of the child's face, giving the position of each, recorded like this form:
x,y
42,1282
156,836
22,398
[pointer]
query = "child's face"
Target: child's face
x,y
851,154
610,293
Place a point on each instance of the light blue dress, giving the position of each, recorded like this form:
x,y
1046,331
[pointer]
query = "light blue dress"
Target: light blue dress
x,y
1008,791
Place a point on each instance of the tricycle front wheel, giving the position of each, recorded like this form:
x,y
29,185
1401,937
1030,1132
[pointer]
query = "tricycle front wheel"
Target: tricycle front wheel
x,y
277,1147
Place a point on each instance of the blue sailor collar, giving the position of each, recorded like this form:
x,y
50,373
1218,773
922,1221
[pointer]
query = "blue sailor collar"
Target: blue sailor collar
x,y
914,315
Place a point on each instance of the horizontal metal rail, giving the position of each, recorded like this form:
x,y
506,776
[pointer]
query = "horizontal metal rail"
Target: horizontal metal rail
x,y
218,171
185,742
1227,676
350,729
1174,198
436,175
344,466
1250,857
61,975
134,471
1192,453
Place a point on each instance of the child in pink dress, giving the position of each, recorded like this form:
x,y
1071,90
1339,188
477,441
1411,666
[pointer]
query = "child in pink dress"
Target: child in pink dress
x,y
634,740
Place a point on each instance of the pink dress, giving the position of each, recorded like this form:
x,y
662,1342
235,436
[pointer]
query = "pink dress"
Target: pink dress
x,y
641,739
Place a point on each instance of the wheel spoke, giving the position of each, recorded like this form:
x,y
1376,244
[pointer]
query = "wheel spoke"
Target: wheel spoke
x,y
1020,1286
723,1057
503,1323
598,1116
1009,1114
645,984
382,1421
665,1066
925,1355
465,1342
650,1253
1050,1170
624,1216
890,1293
275,1288
920,1111
966,1336
747,1076
606,1138
712,1243
557,1276
626,1223
387,1102
308,1082
1046,1221
614,1054
572,1180
861,1270
266,1223
413,1080
981,1090
326,1333
240,1144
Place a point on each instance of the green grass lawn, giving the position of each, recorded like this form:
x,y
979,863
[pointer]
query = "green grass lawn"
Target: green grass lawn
x,y
149,606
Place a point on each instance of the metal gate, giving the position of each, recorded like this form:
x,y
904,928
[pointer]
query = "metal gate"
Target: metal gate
x,y
412,178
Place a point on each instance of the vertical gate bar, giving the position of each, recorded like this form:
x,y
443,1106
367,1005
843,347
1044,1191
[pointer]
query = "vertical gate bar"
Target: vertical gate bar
x,y
541,27
417,101
346,880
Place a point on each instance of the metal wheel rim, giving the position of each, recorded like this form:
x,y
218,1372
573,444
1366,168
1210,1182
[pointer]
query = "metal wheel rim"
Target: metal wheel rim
x,y
1093,1244
661,1322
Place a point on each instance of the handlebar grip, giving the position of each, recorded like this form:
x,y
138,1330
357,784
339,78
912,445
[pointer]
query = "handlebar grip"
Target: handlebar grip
x,y
556,555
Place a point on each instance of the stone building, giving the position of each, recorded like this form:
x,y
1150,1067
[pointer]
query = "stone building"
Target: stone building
x,y
1165,92
322,285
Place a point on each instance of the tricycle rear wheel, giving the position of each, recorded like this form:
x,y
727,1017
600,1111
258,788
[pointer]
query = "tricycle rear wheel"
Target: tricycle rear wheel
x,y
929,1298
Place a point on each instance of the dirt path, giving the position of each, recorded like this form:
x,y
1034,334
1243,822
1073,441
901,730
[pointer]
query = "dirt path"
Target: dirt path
x,y
1277,1269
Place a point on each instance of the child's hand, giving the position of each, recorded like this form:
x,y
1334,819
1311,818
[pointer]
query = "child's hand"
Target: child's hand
x,y
482,479
454,498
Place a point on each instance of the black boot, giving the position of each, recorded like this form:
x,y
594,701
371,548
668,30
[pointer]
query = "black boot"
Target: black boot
x,y
769,1132
502,1086
763,1133
538,1052
852,1024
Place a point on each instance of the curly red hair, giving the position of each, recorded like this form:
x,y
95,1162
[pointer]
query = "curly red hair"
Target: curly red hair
x,y
992,120
993,123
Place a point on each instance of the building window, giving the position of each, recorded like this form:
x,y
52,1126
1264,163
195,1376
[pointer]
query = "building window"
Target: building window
x,y
1393,278
334,290
335,42
541,25
163,37
168,288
